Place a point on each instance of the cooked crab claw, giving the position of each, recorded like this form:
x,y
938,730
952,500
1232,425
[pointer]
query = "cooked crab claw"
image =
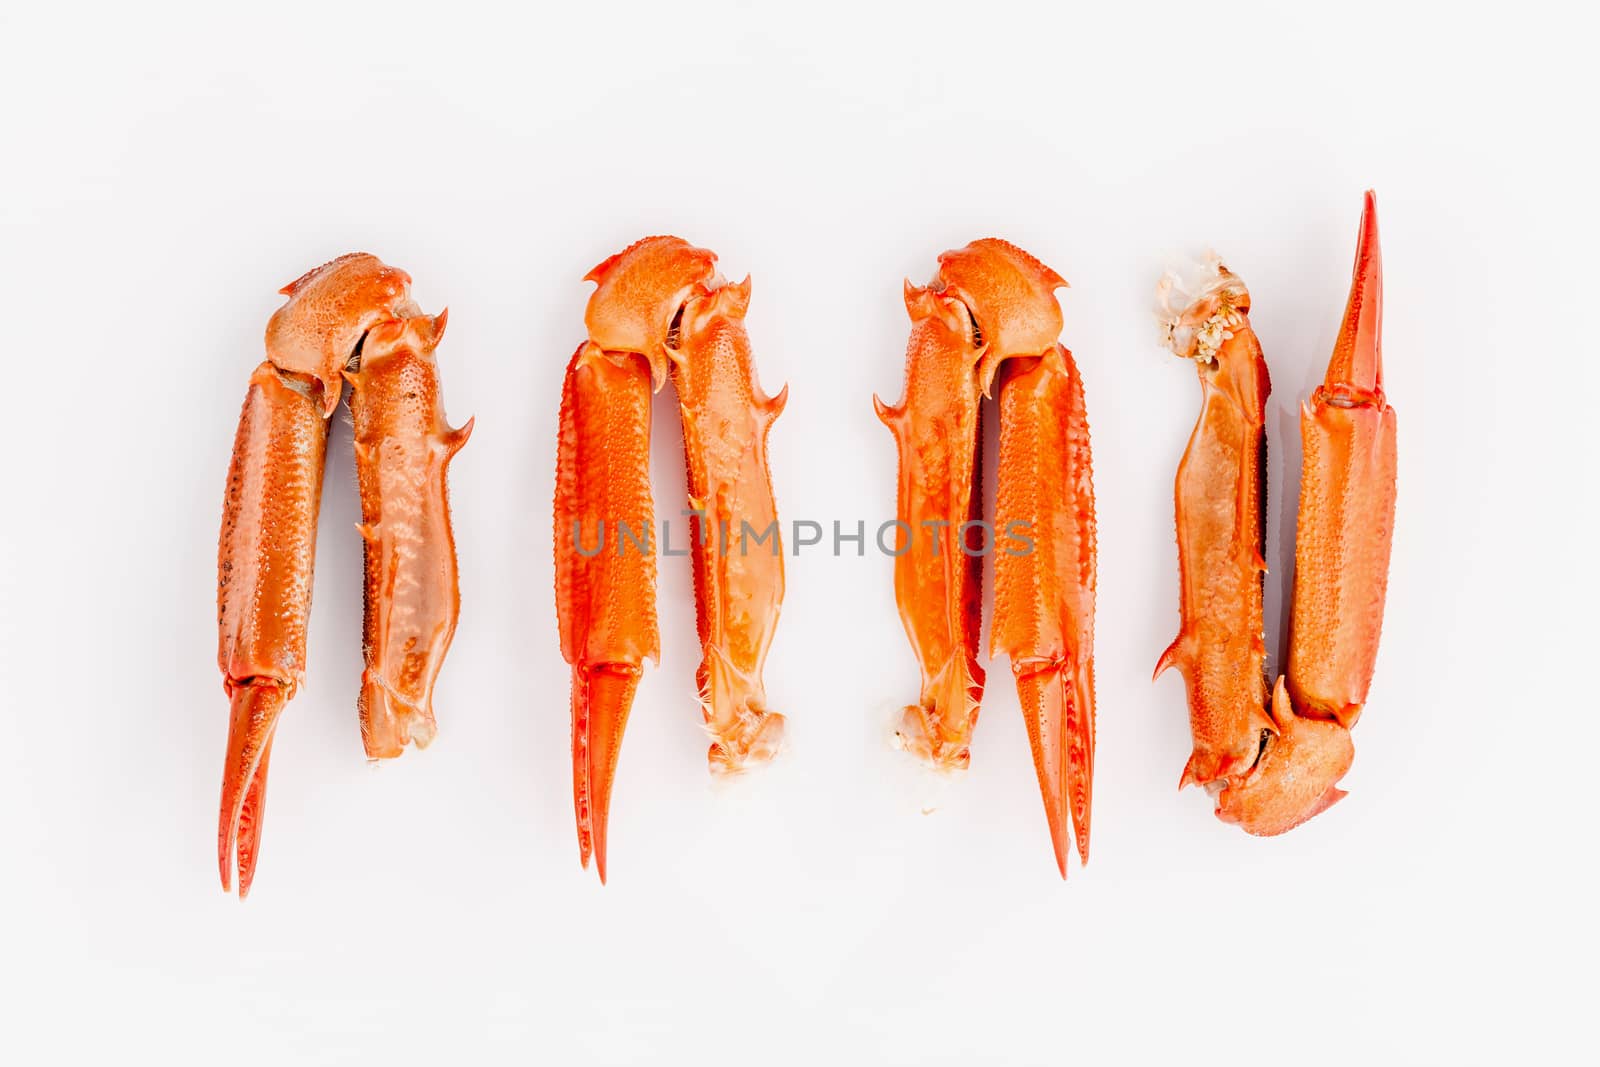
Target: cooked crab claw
x,y
990,315
1347,497
1274,763
267,548
660,310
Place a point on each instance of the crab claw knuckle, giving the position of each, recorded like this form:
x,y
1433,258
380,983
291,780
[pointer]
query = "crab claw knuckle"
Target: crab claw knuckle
x,y
639,292
329,311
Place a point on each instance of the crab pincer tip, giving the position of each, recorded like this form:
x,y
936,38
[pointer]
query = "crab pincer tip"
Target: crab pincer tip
x,y
253,719
1357,363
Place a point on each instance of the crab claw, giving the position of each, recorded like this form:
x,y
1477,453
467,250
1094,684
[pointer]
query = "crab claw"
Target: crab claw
x,y
605,596
267,547
264,563
1295,777
253,718
990,318
661,310
1347,501
1273,764
1355,370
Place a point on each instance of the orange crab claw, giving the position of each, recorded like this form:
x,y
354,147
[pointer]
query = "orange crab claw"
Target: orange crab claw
x,y
1274,764
605,592
253,717
1044,595
660,309
1356,367
267,548
990,313
264,567
1347,498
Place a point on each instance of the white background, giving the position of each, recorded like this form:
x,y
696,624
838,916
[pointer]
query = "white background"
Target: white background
x,y
164,172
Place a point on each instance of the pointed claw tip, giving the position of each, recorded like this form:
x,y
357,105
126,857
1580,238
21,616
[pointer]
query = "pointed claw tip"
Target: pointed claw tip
x,y
253,717
1355,371
229,860
1060,844
1367,240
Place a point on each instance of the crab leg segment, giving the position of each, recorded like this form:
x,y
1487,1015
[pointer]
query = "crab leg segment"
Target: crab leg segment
x,y
738,553
1220,502
990,312
403,449
660,309
938,588
269,522
1271,773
